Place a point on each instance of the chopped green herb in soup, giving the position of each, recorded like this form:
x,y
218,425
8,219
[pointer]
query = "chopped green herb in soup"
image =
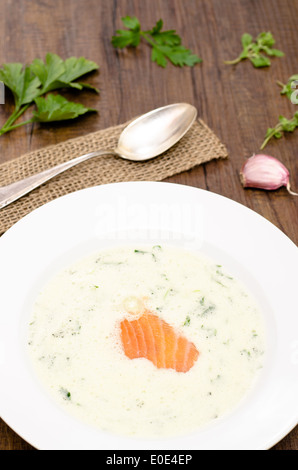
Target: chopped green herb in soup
x,y
146,341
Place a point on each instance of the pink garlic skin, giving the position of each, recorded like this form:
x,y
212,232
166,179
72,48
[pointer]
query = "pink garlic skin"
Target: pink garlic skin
x,y
264,172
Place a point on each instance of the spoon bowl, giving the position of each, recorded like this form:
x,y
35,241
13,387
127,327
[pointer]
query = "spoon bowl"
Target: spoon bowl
x,y
144,138
153,133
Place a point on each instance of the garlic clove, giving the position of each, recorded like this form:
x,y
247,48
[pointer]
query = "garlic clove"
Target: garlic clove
x,y
265,172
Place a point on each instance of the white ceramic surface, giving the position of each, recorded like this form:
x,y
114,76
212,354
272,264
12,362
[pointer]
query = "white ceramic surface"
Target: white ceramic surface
x,y
246,244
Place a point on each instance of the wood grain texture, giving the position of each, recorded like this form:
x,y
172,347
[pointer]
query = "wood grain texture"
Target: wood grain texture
x,y
238,102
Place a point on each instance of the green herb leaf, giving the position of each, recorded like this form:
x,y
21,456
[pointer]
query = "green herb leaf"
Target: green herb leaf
x,y
49,71
126,38
265,39
273,52
74,69
130,37
246,40
254,50
158,56
131,22
260,61
288,125
56,73
178,55
29,83
65,394
290,88
23,84
284,125
166,38
166,45
57,108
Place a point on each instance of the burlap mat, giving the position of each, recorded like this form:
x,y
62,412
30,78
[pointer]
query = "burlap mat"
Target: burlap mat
x,y
199,145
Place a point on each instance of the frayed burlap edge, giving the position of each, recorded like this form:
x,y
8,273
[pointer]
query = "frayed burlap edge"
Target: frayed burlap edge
x,y
198,146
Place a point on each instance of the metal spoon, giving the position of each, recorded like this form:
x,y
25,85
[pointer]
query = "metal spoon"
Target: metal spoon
x,y
144,138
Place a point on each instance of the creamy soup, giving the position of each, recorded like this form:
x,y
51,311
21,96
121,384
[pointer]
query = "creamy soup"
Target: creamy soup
x,y
76,348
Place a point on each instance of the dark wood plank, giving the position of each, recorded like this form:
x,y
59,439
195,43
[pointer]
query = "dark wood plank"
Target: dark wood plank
x,y
238,102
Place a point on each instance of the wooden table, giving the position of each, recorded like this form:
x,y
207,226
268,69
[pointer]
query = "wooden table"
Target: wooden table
x,y
238,102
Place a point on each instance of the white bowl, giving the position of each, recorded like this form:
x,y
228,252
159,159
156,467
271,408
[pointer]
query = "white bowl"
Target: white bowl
x,y
61,232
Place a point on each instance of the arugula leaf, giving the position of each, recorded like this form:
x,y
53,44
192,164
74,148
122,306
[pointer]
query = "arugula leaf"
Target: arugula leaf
x,y
284,125
166,45
254,50
57,108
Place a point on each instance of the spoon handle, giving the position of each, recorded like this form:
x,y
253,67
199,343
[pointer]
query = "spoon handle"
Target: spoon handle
x,y
14,191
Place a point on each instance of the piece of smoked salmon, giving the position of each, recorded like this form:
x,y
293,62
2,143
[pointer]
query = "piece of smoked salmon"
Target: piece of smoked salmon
x,y
154,339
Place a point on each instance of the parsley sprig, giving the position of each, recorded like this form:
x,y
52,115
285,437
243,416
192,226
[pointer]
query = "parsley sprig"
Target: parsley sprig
x,y
166,45
284,125
289,88
255,50
29,84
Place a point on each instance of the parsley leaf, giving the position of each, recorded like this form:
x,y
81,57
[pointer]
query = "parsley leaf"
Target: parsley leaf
x,y
29,83
130,36
255,50
290,88
166,45
260,61
74,69
131,22
23,84
48,72
53,108
56,73
57,108
284,125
